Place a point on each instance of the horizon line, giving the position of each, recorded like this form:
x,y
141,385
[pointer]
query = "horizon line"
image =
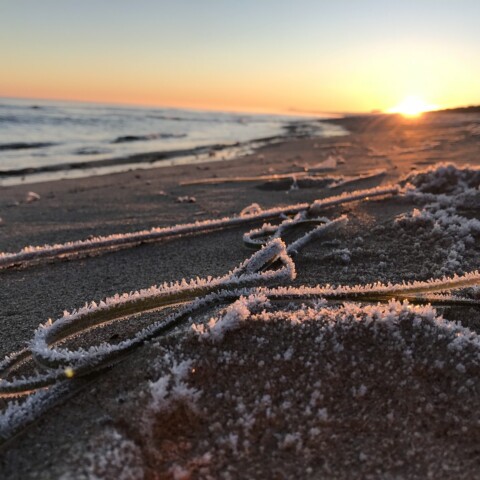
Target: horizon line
x,y
290,111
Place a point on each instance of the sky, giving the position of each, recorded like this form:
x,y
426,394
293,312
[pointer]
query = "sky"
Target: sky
x,y
248,55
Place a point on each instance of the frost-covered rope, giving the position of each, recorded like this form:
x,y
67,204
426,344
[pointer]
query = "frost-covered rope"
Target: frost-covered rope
x,y
64,368
33,254
63,365
259,236
81,361
301,242
319,205
309,174
417,290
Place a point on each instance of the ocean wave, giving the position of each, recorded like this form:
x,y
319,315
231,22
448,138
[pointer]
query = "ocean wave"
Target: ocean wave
x,y
24,145
49,120
143,138
92,151
207,119
170,118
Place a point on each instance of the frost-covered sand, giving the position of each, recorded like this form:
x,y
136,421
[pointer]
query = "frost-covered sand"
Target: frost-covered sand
x,y
262,387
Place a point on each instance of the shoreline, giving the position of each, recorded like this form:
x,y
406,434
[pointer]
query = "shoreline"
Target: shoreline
x,y
159,159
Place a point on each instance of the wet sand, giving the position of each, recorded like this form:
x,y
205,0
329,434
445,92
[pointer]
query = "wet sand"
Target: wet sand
x,y
398,427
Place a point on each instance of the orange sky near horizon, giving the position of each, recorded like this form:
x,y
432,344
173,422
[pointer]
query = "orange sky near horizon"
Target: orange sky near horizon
x,y
184,56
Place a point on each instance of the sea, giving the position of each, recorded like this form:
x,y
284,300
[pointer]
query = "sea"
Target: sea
x,y
48,140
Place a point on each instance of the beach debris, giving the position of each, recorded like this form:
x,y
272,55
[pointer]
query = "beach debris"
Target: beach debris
x,y
186,199
31,197
473,129
426,146
294,185
306,177
251,209
329,164
376,173
374,152
333,146
308,180
216,180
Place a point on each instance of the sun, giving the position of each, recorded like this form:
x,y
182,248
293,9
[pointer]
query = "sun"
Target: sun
x,y
412,106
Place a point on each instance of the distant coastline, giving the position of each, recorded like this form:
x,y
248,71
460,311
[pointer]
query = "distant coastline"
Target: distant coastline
x,y
469,109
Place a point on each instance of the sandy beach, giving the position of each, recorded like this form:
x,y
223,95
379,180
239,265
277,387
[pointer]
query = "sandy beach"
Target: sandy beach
x,y
309,388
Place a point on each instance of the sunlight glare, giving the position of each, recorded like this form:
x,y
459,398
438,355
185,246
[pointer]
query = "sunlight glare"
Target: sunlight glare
x,y
412,107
